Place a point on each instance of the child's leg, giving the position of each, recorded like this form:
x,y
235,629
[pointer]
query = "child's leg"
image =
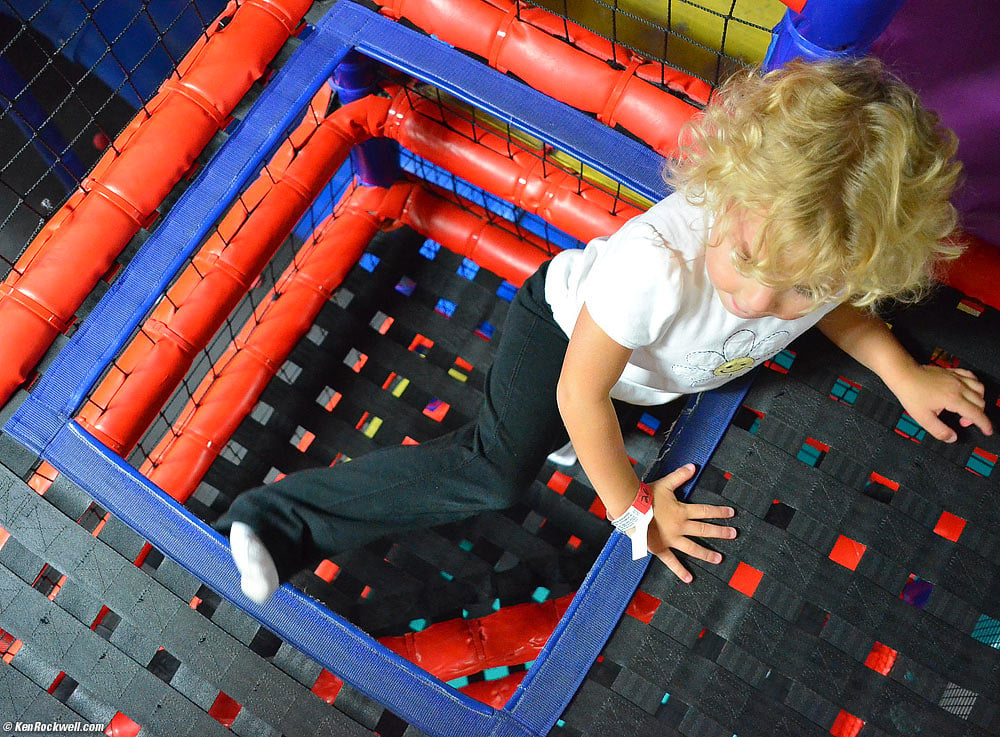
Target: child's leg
x,y
485,465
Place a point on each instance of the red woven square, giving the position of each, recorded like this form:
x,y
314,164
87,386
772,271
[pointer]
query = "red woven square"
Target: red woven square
x,y
597,508
327,686
846,725
950,526
745,579
847,552
643,606
559,482
881,658
436,409
225,709
305,440
877,478
327,570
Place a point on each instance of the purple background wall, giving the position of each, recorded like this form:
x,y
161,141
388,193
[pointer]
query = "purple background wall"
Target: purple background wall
x,y
949,50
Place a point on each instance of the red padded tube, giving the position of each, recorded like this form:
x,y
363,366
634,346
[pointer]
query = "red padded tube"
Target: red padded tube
x,y
578,208
78,245
460,647
549,65
595,45
241,374
196,306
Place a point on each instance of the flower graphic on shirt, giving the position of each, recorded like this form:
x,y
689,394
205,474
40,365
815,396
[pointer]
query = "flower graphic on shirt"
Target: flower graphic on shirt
x,y
741,352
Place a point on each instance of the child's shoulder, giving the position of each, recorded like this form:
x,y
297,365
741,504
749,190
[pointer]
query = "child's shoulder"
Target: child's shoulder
x,y
677,205
674,222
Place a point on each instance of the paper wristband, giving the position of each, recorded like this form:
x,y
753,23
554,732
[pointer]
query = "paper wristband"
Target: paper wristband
x,y
634,522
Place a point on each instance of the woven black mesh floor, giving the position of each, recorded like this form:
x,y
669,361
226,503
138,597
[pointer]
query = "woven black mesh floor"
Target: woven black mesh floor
x,y
862,596
97,636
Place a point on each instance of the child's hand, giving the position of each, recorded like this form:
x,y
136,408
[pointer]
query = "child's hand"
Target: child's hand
x,y
674,524
926,391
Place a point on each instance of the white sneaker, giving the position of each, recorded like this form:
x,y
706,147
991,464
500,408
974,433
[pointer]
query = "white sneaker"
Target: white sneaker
x,y
258,576
565,456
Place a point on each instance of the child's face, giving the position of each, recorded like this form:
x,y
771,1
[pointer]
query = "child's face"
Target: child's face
x,y
741,295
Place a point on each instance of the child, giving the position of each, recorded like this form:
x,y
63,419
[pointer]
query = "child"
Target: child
x,y
804,196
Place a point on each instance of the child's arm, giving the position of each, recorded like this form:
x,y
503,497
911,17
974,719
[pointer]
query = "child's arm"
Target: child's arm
x,y
593,364
924,391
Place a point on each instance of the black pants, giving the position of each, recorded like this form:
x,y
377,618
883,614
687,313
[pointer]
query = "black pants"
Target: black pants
x,y
487,464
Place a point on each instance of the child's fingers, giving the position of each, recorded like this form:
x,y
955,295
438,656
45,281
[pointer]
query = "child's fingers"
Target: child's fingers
x,y
972,412
677,477
980,420
965,374
969,415
974,398
971,388
671,561
704,529
690,547
970,403
708,511
976,387
932,424
962,394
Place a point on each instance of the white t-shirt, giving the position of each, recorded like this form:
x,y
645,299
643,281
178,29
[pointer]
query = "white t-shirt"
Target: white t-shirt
x,y
647,288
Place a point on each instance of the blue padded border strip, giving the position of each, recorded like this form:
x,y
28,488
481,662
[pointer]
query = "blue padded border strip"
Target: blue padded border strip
x,y
612,581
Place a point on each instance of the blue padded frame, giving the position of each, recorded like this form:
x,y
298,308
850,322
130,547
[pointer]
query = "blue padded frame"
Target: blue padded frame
x,y
44,421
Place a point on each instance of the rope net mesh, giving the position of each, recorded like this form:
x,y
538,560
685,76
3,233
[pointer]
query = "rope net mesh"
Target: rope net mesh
x,y
480,127
72,77
706,40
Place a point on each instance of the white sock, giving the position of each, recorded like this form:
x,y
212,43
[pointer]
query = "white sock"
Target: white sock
x,y
565,456
259,577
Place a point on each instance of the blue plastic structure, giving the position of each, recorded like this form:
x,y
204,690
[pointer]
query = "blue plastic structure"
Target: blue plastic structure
x,y
828,28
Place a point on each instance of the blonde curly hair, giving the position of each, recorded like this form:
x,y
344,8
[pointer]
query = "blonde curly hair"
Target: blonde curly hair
x,y
848,173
